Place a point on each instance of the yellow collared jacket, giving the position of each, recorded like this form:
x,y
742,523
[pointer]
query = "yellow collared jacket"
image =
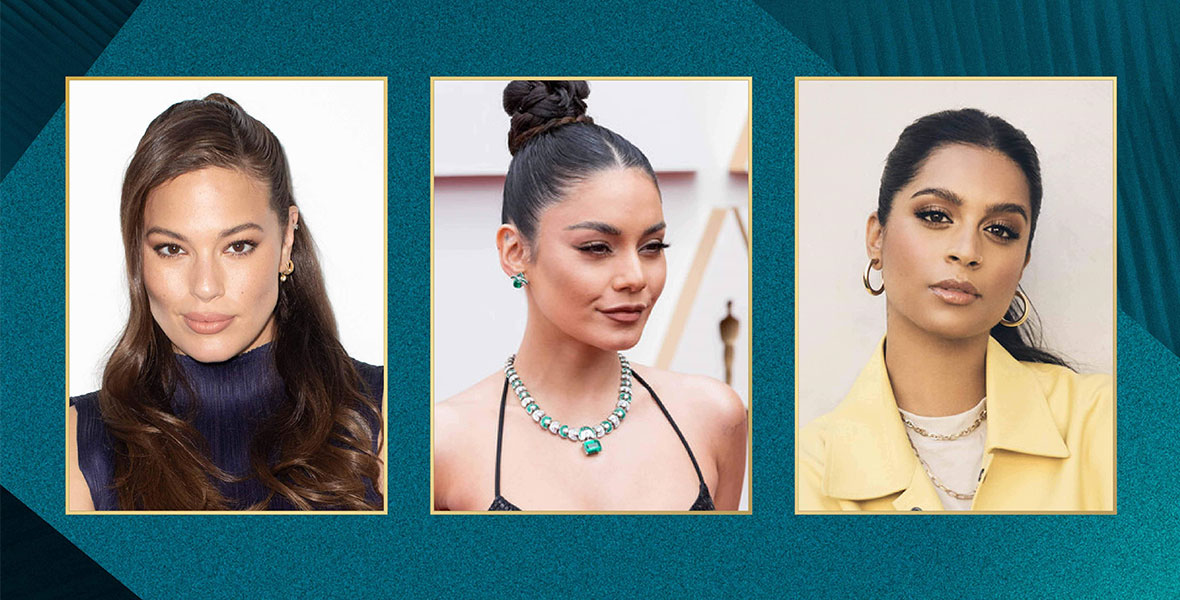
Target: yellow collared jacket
x,y
1050,445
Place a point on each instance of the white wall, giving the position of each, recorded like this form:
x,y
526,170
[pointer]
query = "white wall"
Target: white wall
x,y
680,125
845,131
334,134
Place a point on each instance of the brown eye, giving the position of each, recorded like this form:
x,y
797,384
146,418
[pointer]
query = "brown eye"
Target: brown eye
x,y
168,250
1002,231
241,247
596,249
655,247
933,216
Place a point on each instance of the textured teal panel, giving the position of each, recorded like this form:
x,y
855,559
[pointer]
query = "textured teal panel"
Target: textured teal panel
x,y
1137,42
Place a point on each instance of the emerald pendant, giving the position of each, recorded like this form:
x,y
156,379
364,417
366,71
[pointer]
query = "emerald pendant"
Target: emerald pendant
x,y
588,436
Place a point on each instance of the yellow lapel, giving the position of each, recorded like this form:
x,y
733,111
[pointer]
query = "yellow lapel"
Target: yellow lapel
x,y
869,455
1018,416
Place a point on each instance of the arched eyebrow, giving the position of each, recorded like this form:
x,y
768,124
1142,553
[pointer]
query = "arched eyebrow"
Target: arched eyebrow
x,y
953,198
608,229
225,233
240,228
598,226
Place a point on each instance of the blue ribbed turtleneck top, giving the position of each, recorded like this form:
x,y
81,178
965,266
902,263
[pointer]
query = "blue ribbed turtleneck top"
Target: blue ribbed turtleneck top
x,y
232,399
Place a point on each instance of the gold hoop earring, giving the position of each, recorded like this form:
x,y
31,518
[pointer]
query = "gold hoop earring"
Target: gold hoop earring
x,y
287,272
1023,317
868,286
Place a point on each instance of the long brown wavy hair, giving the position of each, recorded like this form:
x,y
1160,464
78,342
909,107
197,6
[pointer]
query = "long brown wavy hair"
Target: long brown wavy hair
x,y
317,450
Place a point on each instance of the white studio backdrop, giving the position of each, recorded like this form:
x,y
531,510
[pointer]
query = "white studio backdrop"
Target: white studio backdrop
x,y
845,131
333,132
687,128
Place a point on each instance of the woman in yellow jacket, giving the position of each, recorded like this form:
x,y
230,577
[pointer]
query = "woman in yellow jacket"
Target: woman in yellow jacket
x,y
959,409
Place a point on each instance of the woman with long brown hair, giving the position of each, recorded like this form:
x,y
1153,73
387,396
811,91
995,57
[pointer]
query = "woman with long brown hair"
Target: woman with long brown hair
x,y
229,388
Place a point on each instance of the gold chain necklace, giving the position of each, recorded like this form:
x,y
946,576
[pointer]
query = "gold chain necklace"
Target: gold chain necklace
x,y
938,482
945,438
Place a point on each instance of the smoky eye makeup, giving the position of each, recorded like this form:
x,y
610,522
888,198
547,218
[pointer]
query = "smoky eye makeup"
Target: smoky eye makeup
x,y
1003,230
594,248
654,246
603,248
933,214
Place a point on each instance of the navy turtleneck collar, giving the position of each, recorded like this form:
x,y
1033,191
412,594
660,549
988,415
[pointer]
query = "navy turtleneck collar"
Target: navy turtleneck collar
x,y
230,394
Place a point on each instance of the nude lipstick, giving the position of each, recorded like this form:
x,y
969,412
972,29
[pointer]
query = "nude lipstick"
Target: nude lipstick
x,y
207,323
624,313
955,292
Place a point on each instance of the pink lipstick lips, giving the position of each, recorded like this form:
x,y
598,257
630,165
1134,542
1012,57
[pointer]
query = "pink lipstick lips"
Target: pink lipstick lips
x,y
955,292
207,323
624,313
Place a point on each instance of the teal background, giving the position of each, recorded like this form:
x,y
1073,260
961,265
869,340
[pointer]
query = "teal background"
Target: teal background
x,y
409,552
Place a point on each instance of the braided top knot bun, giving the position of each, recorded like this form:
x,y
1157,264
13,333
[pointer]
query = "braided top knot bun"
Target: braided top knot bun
x,y
539,106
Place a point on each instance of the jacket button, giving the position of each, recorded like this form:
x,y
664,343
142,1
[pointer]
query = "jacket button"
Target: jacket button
x,y
915,508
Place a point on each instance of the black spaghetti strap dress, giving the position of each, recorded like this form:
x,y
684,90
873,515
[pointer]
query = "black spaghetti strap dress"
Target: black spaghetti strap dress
x,y
703,501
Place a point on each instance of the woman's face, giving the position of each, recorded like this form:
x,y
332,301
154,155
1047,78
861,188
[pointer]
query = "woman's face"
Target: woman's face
x,y
956,242
597,261
212,251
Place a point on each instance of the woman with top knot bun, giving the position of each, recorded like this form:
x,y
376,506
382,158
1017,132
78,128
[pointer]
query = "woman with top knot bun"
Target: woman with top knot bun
x,y
573,424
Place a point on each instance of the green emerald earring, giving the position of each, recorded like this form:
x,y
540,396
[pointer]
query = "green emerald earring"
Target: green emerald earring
x,y
519,281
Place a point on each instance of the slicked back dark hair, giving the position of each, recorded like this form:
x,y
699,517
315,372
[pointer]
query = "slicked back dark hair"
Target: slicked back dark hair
x,y
555,146
973,127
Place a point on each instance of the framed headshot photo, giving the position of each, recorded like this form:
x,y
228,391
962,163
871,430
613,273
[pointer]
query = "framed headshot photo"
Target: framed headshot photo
x,y
955,295
590,309
226,286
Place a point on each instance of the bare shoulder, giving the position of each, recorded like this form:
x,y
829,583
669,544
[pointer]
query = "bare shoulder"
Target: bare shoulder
x,y
715,401
464,426
455,416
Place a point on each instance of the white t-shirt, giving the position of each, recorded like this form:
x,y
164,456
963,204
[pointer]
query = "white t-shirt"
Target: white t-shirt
x,y
956,463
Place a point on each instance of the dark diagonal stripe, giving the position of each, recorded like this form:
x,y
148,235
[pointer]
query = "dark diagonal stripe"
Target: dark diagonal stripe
x,y
41,43
38,562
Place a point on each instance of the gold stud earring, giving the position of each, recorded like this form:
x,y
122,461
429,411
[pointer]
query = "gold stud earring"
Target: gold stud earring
x,y
287,272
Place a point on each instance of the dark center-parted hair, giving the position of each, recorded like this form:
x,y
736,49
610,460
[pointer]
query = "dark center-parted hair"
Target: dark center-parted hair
x,y
972,127
316,451
556,146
